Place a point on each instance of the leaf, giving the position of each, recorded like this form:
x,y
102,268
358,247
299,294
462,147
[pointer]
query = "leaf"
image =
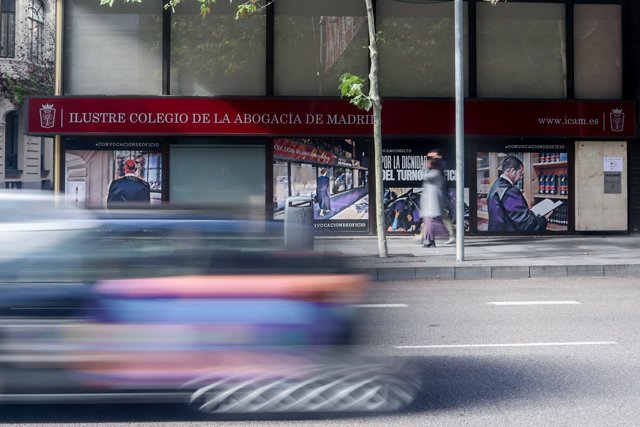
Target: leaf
x,y
204,10
352,87
245,9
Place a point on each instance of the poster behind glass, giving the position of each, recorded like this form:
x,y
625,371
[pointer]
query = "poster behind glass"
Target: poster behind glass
x,y
331,171
403,162
118,174
545,179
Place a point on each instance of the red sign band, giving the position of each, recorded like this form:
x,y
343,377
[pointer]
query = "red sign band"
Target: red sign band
x,y
336,117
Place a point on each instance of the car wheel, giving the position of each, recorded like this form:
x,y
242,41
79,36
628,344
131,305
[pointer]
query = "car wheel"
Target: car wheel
x,y
315,389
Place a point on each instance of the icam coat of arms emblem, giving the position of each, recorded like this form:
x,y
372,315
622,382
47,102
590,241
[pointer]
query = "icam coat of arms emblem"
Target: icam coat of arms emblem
x,y
617,119
47,116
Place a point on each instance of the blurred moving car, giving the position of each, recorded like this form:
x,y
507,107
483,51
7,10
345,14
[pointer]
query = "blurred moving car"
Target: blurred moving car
x,y
32,220
206,309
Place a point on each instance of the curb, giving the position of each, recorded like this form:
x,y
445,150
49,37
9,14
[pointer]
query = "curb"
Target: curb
x,y
385,274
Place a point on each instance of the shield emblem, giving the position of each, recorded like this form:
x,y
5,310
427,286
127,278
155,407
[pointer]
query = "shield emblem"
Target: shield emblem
x,y
47,116
617,120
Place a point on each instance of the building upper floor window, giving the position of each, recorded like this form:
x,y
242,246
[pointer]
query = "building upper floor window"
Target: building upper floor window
x,y
7,28
530,49
598,51
113,50
36,31
317,41
417,48
219,55
521,50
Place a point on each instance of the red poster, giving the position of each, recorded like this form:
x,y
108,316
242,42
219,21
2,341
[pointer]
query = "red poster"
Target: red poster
x,y
288,149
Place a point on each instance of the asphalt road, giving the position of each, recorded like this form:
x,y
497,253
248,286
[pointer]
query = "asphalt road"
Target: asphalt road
x,y
531,352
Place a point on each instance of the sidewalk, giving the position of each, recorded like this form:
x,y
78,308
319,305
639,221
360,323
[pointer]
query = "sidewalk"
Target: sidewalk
x,y
493,257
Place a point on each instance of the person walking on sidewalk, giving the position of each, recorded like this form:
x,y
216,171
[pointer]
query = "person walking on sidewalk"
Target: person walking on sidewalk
x,y
432,201
322,190
448,213
508,209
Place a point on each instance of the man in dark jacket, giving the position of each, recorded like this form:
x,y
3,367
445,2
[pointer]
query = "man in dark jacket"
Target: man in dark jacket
x,y
508,209
129,188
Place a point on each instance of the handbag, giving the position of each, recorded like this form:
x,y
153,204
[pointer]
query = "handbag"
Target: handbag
x,y
316,198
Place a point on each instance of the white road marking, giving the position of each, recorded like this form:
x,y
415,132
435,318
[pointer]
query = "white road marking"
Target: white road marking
x,y
379,305
529,344
533,303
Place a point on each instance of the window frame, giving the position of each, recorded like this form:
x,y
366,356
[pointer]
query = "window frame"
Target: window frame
x,y
35,16
8,28
627,77
471,57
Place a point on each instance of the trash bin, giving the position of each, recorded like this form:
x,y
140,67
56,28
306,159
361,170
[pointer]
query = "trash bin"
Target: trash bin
x,y
298,223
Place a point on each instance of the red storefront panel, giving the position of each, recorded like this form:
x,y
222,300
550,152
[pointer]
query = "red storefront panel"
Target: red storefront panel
x,y
215,116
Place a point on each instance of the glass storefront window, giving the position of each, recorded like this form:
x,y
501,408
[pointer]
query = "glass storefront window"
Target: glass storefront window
x,y
417,48
231,175
316,42
598,51
521,50
113,50
217,55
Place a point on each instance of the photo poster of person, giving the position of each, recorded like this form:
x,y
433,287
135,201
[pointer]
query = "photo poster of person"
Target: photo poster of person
x,y
545,179
402,165
92,168
333,172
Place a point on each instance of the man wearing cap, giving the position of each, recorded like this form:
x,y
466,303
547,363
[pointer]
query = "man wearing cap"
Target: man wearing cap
x,y
129,188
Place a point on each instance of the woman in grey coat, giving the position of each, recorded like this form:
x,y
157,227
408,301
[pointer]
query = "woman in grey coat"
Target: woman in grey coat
x,y
432,201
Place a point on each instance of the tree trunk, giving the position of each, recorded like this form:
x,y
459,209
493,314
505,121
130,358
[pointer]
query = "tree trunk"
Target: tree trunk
x,y
374,96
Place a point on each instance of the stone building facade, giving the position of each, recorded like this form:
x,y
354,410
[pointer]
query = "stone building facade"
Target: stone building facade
x,y
27,47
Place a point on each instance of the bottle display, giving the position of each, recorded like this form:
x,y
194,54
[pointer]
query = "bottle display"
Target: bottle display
x,y
544,184
550,173
563,188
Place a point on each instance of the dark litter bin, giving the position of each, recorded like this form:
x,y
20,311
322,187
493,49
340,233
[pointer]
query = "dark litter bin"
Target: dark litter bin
x,y
298,223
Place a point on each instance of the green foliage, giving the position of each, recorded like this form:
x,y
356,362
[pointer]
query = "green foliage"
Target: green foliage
x,y
36,80
352,86
246,9
205,5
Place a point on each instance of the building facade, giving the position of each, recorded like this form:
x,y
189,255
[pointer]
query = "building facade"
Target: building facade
x,y
27,42
247,111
